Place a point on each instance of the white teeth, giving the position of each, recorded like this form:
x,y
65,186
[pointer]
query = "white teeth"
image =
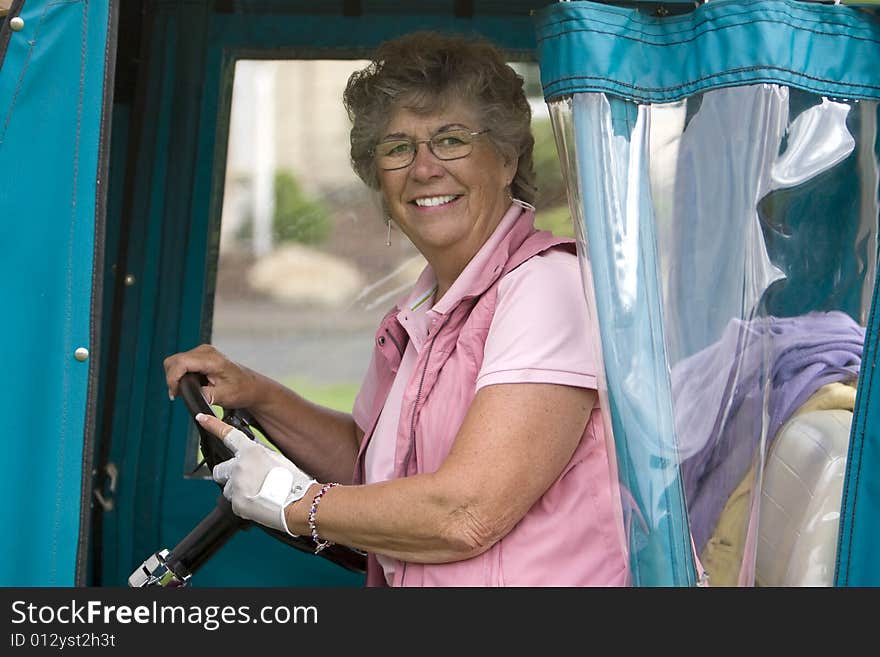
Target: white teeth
x,y
431,201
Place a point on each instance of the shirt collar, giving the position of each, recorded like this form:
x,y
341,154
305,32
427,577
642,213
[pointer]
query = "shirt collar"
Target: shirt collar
x,y
470,275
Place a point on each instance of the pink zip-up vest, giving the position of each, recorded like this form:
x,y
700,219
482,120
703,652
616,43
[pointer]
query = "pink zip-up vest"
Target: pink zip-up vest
x,y
572,534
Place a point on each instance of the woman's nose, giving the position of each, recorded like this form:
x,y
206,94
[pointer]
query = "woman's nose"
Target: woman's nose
x,y
425,164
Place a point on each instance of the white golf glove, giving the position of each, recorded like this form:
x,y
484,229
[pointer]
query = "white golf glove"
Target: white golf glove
x,y
259,482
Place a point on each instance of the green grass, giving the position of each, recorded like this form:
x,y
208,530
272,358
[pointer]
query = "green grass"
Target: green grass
x,y
339,397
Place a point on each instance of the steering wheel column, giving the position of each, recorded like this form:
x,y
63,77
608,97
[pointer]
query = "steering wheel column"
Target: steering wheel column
x,y
175,568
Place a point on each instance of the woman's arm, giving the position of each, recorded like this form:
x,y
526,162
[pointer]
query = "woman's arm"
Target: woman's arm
x,y
513,444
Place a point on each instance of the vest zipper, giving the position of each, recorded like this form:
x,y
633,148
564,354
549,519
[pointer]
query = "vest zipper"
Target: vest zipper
x,y
412,426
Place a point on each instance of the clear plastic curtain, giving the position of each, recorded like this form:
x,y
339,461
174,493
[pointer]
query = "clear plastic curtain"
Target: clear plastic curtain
x,y
722,170
728,242
604,158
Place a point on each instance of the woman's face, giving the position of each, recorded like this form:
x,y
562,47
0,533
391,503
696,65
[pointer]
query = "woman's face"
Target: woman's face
x,y
446,207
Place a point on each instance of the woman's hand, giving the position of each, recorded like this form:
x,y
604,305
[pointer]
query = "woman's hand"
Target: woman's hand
x,y
258,482
323,441
229,384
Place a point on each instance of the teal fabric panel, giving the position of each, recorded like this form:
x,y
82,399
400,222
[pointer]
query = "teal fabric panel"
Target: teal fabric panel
x,y
51,92
830,50
857,561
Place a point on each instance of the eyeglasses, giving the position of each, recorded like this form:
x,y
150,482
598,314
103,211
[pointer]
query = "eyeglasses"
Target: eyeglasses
x,y
446,145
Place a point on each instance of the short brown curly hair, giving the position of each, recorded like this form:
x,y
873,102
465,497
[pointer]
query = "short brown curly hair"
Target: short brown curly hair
x,y
423,71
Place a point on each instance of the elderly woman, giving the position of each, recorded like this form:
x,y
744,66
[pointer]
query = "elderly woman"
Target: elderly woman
x,y
475,453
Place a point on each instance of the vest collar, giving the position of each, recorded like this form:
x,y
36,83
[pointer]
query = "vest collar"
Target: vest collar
x,y
486,265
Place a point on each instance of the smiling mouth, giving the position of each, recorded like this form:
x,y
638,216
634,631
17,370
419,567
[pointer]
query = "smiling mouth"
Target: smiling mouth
x,y
435,201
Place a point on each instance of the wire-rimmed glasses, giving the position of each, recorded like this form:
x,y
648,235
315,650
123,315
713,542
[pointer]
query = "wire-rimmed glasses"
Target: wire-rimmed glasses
x,y
452,144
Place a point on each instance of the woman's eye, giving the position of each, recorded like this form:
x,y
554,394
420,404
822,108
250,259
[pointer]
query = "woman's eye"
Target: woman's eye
x,y
395,148
449,141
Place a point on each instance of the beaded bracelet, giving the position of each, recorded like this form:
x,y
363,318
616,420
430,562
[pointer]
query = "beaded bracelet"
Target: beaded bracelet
x,y
313,527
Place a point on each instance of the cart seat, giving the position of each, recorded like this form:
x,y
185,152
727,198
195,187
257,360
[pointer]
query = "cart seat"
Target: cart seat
x,y
800,500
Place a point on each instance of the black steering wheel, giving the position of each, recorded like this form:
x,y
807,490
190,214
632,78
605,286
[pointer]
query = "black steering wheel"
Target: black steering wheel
x,y
222,524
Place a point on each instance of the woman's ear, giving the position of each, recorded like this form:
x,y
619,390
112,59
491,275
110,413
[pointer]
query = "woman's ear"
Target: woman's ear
x,y
509,165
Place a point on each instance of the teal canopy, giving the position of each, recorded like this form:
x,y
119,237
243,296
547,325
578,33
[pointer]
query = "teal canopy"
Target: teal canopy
x,y
827,50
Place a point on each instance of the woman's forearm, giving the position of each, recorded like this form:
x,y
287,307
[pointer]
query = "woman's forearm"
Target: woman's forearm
x,y
411,519
515,441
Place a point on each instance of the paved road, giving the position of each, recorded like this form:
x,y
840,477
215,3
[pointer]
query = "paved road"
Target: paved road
x,y
326,358
325,347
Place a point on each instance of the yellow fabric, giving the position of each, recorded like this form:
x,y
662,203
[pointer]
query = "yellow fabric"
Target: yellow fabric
x,y
722,555
829,397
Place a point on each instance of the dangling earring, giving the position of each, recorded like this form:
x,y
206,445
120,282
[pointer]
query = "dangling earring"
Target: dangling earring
x,y
523,204
388,234
520,203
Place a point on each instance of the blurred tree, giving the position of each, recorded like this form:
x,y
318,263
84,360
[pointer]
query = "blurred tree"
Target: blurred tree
x,y
552,203
551,189
297,217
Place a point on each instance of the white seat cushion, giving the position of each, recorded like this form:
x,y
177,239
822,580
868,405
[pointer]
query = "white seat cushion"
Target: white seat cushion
x,y
800,500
